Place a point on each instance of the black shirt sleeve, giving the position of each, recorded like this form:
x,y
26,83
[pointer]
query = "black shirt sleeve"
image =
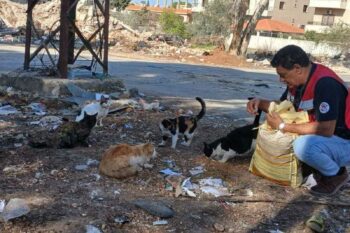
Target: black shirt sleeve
x,y
328,93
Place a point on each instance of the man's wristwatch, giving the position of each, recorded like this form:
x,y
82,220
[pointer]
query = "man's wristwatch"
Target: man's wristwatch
x,y
281,126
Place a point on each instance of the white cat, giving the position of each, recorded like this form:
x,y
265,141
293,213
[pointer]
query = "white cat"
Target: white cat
x,y
101,108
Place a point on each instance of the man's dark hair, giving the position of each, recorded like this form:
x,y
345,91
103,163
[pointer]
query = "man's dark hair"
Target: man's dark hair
x,y
290,55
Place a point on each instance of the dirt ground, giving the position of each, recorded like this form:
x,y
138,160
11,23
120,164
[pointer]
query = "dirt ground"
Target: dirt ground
x,y
63,198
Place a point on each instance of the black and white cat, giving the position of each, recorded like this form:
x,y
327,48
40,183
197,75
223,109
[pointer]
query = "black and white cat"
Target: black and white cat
x,y
100,108
239,142
182,125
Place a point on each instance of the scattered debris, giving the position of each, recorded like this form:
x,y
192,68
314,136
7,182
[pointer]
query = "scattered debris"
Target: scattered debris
x,y
170,172
149,106
197,170
214,187
154,208
92,229
187,186
122,219
81,167
218,227
38,108
52,122
275,231
8,110
160,222
2,205
15,208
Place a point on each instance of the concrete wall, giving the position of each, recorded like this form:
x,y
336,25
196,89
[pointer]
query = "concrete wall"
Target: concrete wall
x,y
319,12
274,44
293,12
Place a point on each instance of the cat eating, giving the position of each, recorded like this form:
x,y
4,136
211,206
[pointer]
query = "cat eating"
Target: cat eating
x,y
100,108
123,160
238,142
182,125
67,135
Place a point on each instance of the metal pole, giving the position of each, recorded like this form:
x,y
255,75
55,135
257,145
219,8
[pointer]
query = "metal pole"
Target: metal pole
x,y
63,50
28,36
106,34
71,32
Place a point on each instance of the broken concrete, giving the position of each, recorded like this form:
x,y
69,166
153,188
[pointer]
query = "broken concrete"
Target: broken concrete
x,y
53,87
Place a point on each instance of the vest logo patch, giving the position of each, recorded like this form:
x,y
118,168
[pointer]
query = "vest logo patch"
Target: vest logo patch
x,y
324,107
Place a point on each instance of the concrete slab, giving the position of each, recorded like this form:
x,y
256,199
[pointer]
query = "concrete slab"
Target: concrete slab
x,y
51,86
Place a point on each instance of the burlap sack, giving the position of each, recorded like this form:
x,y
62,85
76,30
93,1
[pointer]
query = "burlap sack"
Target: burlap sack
x,y
273,157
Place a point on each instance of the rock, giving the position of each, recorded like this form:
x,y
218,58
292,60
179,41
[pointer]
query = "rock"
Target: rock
x,y
219,227
250,60
154,208
16,207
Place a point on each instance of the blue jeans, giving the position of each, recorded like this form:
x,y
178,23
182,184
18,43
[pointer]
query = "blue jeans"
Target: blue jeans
x,y
325,154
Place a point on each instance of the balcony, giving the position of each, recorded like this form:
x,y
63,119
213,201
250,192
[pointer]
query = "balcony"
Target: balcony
x,y
333,4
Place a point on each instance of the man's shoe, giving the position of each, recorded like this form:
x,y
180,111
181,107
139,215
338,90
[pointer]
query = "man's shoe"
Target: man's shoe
x,y
329,185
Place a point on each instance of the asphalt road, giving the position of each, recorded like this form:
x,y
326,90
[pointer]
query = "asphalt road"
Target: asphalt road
x,y
225,89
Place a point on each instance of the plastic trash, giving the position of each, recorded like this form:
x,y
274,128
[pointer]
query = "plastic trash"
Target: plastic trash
x,y
169,172
38,108
160,222
2,205
196,170
15,208
7,110
92,229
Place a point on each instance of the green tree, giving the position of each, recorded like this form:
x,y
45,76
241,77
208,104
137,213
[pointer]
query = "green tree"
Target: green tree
x,y
337,35
120,4
214,21
142,20
172,24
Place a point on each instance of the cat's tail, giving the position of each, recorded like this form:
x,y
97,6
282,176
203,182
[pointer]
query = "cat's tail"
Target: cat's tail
x,y
202,112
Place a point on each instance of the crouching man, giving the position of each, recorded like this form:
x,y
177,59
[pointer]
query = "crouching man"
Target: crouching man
x,y
324,142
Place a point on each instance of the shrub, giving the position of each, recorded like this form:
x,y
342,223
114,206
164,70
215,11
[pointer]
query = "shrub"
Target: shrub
x,y
172,24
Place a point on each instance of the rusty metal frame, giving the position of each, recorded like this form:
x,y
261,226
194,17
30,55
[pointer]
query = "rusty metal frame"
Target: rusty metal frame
x,y
68,30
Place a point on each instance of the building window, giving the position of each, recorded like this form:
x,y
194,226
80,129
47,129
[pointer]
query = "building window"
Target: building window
x,y
327,20
304,8
281,5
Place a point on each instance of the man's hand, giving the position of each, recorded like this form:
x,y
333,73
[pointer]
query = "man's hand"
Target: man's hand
x,y
253,105
274,120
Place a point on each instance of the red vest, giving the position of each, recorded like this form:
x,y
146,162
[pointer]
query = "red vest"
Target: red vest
x,y
307,99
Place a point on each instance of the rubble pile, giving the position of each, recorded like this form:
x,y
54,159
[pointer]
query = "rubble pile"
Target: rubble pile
x,y
122,38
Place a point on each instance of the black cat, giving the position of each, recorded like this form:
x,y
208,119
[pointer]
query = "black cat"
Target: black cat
x,y
67,135
237,143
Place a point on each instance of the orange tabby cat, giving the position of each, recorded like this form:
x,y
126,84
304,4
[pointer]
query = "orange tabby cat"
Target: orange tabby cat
x,y
123,160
